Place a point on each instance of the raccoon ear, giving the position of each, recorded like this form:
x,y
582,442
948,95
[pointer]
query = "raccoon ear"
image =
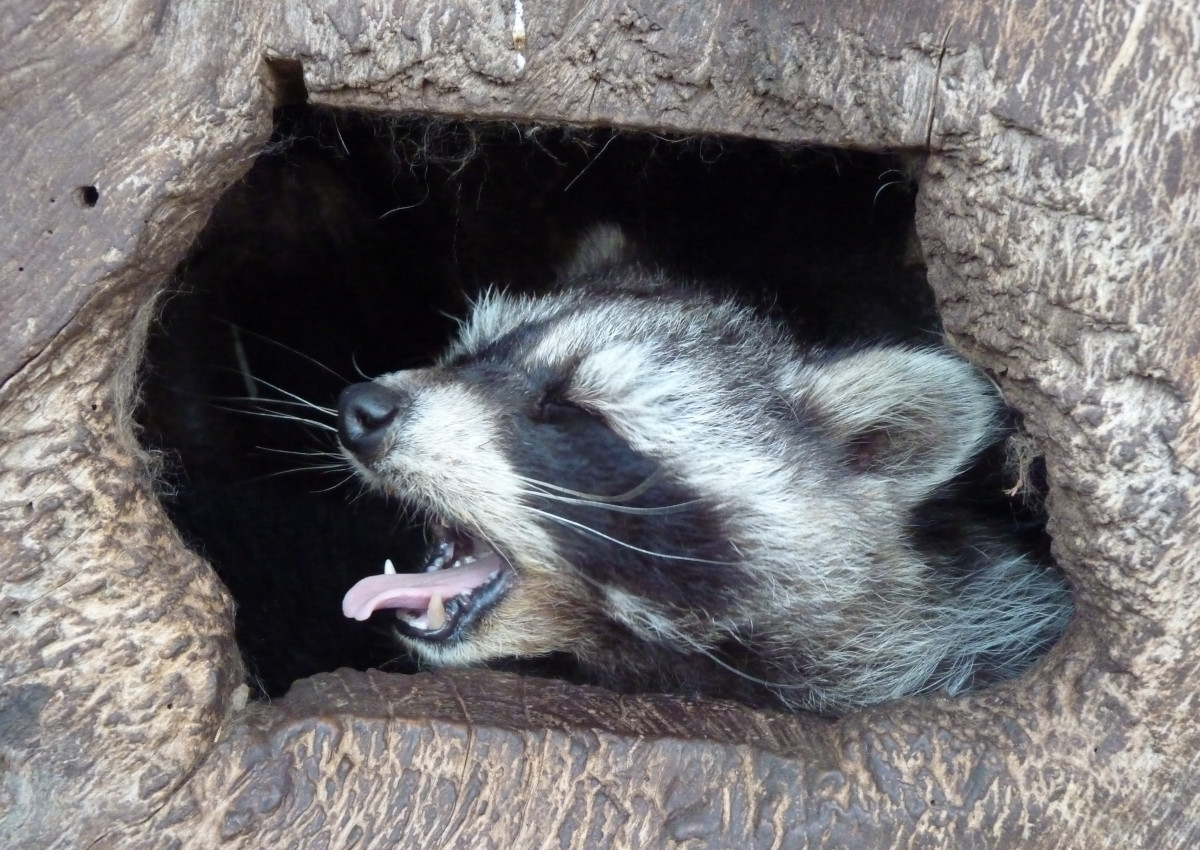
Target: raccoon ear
x,y
601,246
914,417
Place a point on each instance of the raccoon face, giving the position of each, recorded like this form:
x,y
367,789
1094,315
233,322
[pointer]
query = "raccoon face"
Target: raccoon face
x,y
642,466
539,510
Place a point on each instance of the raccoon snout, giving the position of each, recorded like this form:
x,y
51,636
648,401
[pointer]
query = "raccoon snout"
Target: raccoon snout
x,y
364,413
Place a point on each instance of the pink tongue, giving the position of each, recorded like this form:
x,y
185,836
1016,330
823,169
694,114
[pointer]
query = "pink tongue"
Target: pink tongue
x,y
414,590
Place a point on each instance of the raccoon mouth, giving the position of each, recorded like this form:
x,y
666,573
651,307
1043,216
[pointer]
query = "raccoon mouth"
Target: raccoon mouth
x,y
463,578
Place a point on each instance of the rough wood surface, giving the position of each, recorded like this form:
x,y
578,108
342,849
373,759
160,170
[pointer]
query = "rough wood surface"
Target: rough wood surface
x,y
1058,214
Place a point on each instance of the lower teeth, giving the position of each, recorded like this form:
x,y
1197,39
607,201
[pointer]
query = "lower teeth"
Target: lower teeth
x,y
432,619
435,617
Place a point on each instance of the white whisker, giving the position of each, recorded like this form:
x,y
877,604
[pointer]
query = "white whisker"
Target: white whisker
x,y
238,329
337,456
592,497
268,414
605,506
291,395
283,401
341,483
322,468
705,651
588,530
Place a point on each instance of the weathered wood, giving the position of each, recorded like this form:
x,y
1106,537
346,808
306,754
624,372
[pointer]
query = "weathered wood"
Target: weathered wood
x,y
1058,215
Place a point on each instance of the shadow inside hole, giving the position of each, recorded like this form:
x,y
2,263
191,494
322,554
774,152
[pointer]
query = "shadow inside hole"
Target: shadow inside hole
x,y
87,196
348,246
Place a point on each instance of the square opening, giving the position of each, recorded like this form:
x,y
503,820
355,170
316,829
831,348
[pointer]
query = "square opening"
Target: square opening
x,y
354,243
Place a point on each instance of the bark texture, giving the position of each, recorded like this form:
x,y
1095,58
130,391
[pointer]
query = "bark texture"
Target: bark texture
x,y
1058,215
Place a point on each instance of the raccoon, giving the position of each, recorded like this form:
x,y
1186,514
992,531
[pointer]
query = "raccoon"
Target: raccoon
x,y
664,486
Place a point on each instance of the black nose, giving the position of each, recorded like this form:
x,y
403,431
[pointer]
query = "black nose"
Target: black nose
x,y
364,413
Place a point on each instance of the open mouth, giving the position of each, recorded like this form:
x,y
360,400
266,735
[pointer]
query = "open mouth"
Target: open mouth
x,y
463,578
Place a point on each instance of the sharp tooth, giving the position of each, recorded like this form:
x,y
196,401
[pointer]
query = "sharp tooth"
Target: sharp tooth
x,y
388,568
445,551
435,617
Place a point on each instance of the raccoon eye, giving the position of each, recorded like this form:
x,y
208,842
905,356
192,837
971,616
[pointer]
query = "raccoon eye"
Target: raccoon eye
x,y
553,409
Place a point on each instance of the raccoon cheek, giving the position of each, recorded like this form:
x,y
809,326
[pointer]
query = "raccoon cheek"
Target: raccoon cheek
x,y
535,618
506,637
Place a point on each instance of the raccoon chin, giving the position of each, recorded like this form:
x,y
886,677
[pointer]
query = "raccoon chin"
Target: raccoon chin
x,y
463,579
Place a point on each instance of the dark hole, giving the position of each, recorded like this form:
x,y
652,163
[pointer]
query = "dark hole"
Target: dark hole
x,y
87,196
286,77
352,239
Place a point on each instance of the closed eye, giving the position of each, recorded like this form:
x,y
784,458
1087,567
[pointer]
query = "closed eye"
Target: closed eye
x,y
553,409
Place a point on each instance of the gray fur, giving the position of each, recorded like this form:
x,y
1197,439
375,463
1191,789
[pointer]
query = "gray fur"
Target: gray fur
x,y
814,465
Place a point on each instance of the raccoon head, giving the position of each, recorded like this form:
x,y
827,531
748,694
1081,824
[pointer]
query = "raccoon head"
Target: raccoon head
x,y
537,503
633,461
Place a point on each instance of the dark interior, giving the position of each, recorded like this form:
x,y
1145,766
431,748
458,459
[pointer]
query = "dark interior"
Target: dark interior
x,y
353,241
